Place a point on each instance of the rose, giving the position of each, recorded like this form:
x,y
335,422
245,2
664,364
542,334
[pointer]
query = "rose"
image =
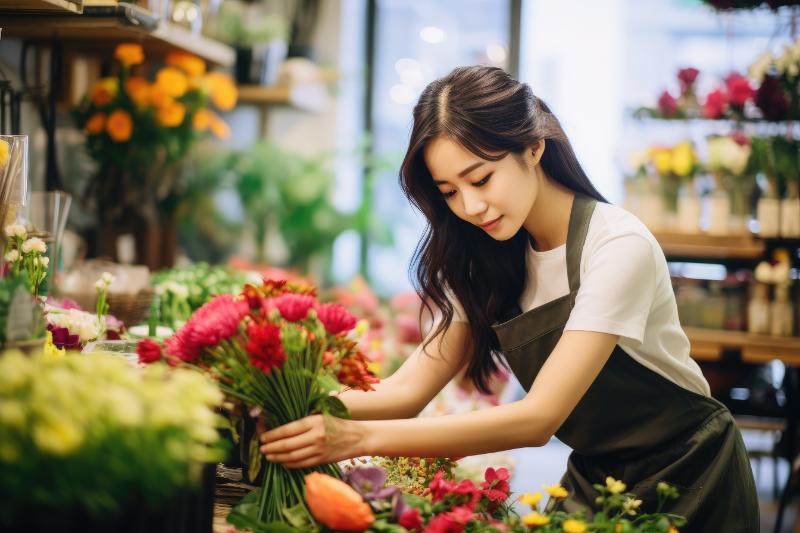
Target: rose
x,y
715,104
149,351
739,89
771,99
686,77
667,104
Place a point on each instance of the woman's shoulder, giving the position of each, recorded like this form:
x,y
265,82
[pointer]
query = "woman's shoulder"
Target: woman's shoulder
x,y
611,221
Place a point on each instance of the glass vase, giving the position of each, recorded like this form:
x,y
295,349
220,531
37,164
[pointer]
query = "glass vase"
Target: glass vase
x,y
13,178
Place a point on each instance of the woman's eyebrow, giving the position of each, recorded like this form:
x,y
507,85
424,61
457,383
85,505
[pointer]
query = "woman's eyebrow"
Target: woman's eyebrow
x,y
463,173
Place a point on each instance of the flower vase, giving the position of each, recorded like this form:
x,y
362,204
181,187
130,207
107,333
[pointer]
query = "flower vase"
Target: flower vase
x,y
768,212
669,197
758,309
689,209
719,208
790,212
740,189
781,313
651,211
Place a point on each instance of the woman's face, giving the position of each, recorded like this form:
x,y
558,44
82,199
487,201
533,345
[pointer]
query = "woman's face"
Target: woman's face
x,y
496,196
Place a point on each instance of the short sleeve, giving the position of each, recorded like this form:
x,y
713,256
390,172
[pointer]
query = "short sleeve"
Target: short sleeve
x,y
617,288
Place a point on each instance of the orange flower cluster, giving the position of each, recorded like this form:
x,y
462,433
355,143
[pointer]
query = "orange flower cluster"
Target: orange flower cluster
x,y
117,106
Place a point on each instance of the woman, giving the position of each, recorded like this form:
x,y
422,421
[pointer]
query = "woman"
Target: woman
x,y
528,263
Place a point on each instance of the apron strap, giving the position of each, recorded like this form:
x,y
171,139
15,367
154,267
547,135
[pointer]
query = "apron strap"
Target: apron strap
x,y
581,214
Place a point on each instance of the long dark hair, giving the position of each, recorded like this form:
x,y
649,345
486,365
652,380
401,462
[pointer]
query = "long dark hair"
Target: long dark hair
x,y
492,115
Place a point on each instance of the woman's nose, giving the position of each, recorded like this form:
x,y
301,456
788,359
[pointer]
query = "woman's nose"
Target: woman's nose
x,y
474,204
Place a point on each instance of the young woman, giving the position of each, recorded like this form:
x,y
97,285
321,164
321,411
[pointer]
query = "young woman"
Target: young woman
x,y
530,265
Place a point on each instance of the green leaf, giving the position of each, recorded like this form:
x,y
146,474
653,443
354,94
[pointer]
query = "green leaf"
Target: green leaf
x,y
327,382
255,459
331,405
298,517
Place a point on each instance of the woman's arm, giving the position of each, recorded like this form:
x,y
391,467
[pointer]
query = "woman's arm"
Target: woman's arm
x,y
566,376
406,392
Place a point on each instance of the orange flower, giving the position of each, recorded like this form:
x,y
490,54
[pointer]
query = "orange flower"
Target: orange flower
x,y
191,65
158,97
202,119
219,128
104,91
138,90
335,504
119,125
95,124
129,54
172,81
223,91
171,115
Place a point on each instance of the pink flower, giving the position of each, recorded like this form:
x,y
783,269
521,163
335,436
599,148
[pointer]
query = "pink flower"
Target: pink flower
x,y
495,487
264,346
149,351
214,322
335,318
667,104
451,522
739,90
440,488
294,307
740,138
686,77
411,519
715,104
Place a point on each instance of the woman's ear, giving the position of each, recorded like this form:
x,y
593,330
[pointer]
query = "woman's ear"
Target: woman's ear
x,y
535,152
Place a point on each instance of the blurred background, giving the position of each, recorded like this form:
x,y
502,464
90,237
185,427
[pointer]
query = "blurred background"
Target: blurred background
x,y
274,131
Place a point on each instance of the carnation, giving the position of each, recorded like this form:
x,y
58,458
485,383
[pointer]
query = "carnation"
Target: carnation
x,y
16,230
335,318
34,244
294,307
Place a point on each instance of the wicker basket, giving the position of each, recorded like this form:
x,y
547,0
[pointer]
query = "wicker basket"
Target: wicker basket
x,y
132,309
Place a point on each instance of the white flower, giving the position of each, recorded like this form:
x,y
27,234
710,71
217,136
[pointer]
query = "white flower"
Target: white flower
x,y
44,261
16,230
724,153
34,244
760,67
80,323
12,256
108,278
630,505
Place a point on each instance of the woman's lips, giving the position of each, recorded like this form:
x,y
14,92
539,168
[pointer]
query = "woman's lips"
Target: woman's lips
x,y
489,226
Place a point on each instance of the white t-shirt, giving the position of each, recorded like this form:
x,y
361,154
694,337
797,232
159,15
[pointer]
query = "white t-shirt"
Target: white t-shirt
x,y
625,290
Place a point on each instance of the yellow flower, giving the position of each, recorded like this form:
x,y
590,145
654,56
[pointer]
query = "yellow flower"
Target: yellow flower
x,y
556,491
158,97
191,65
683,159
219,128
57,436
202,119
4,149
172,81
50,349
138,90
119,125
129,54
574,526
104,91
531,500
615,486
673,529
535,519
95,124
222,89
630,505
171,115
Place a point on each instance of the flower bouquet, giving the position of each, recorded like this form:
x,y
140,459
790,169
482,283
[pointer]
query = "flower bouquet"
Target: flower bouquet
x,y
363,502
277,349
85,437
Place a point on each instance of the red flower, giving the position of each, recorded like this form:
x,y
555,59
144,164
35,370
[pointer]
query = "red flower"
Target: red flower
x,y
739,90
740,138
495,487
667,104
686,77
294,307
450,522
335,318
264,346
252,295
465,491
214,322
715,104
772,100
149,351
411,519
63,339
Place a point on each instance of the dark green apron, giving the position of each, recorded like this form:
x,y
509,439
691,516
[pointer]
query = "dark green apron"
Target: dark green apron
x,y
635,425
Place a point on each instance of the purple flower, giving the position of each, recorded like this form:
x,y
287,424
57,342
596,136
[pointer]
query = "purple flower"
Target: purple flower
x,y
63,339
368,481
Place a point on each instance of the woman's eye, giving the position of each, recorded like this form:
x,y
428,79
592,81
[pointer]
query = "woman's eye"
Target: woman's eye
x,y
483,182
448,194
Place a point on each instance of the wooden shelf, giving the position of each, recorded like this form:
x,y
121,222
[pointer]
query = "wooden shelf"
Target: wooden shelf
x,y
709,345
682,245
263,94
38,6
99,34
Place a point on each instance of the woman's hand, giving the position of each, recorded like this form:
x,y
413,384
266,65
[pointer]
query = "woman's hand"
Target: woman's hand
x,y
314,440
